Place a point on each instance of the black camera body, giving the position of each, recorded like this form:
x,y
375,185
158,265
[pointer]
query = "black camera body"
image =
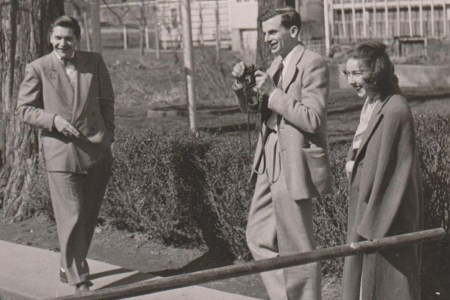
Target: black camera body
x,y
248,77
248,82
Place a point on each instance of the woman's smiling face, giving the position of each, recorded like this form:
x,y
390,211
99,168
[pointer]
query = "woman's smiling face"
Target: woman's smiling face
x,y
356,74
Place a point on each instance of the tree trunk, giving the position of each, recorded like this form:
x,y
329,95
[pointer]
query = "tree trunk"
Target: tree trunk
x,y
263,55
23,38
95,26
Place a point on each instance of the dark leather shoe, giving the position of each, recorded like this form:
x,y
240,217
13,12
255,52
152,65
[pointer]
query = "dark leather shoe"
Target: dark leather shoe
x,y
63,276
82,287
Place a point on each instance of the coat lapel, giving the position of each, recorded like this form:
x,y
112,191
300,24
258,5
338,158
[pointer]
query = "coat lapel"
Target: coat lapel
x,y
373,123
57,76
274,67
292,70
84,76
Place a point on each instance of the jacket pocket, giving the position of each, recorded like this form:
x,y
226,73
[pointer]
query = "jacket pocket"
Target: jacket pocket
x,y
318,165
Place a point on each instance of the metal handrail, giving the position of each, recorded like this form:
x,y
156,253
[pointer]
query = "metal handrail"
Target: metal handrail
x,y
195,278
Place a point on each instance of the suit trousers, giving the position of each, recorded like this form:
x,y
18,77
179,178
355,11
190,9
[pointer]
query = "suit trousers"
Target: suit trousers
x,y
278,226
76,200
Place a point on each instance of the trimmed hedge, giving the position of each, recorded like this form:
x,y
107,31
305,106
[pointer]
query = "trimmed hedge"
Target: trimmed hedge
x,y
189,191
228,193
180,189
433,133
156,185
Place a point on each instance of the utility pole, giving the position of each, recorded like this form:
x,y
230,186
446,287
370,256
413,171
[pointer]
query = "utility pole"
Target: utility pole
x,y
189,62
95,22
327,27
218,37
158,51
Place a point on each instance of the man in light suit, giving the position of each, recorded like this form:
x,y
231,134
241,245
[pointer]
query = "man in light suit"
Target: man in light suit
x,y
68,94
291,164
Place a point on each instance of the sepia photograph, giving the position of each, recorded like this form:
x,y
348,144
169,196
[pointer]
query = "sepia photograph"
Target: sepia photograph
x,y
225,149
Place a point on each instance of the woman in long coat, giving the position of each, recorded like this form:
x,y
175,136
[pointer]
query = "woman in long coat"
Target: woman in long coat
x,y
385,187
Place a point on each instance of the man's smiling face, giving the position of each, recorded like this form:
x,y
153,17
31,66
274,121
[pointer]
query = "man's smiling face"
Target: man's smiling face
x,y
64,41
280,39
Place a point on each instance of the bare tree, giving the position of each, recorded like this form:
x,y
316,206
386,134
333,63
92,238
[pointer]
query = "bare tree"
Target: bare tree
x,y
141,16
94,8
23,38
80,8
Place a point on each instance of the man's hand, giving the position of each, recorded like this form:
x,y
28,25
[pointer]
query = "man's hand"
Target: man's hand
x,y
63,126
237,72
238,69
264,83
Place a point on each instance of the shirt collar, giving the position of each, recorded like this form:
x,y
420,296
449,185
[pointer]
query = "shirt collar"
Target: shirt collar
x,y
60,58
286,60
373,100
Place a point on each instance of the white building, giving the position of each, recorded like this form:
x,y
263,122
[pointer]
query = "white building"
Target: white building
x,y
237,21
165,16
243,21
353,20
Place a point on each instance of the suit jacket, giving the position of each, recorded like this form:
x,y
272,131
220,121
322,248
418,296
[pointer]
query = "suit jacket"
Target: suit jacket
x,y
46,91
385,200
301,105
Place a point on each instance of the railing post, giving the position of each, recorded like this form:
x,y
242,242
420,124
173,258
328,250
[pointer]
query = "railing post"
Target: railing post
x,y
125,38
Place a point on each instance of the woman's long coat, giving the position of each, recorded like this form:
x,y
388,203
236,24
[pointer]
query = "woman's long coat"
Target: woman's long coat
x,y
385,200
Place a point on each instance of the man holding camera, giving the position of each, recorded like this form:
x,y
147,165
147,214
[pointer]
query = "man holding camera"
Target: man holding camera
x,y
291,165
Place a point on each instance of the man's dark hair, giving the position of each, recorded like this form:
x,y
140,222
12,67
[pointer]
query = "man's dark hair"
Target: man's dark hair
x,y
289,16
68,22
381,76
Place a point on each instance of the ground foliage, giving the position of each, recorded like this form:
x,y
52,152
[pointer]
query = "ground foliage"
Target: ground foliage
x,y
152,82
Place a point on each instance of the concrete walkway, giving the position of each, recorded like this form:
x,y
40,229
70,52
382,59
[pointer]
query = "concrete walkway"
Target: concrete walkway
x,y
32,273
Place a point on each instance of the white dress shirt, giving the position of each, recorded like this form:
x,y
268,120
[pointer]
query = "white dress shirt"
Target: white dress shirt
x,y
69,68
364,120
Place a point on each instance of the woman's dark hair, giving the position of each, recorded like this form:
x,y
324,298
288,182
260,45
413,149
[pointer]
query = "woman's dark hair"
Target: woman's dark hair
x,y
289,16
68,22
373,56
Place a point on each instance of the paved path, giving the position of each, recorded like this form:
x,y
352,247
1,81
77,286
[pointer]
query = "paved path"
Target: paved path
x,y
32,273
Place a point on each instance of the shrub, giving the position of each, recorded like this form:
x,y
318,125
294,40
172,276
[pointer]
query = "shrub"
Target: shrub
x,y
188,191
433,131
155,185
330,212
228,193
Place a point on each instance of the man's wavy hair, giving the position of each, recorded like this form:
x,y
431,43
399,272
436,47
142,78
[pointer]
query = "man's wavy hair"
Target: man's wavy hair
x,y
67,22
373,56
289,16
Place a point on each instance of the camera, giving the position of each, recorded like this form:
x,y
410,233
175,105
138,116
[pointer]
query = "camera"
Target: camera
x,y
248,77
248,82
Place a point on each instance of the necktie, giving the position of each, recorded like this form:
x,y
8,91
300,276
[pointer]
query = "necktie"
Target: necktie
x,y
69,68
65,61
278,75
272,118
68,62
